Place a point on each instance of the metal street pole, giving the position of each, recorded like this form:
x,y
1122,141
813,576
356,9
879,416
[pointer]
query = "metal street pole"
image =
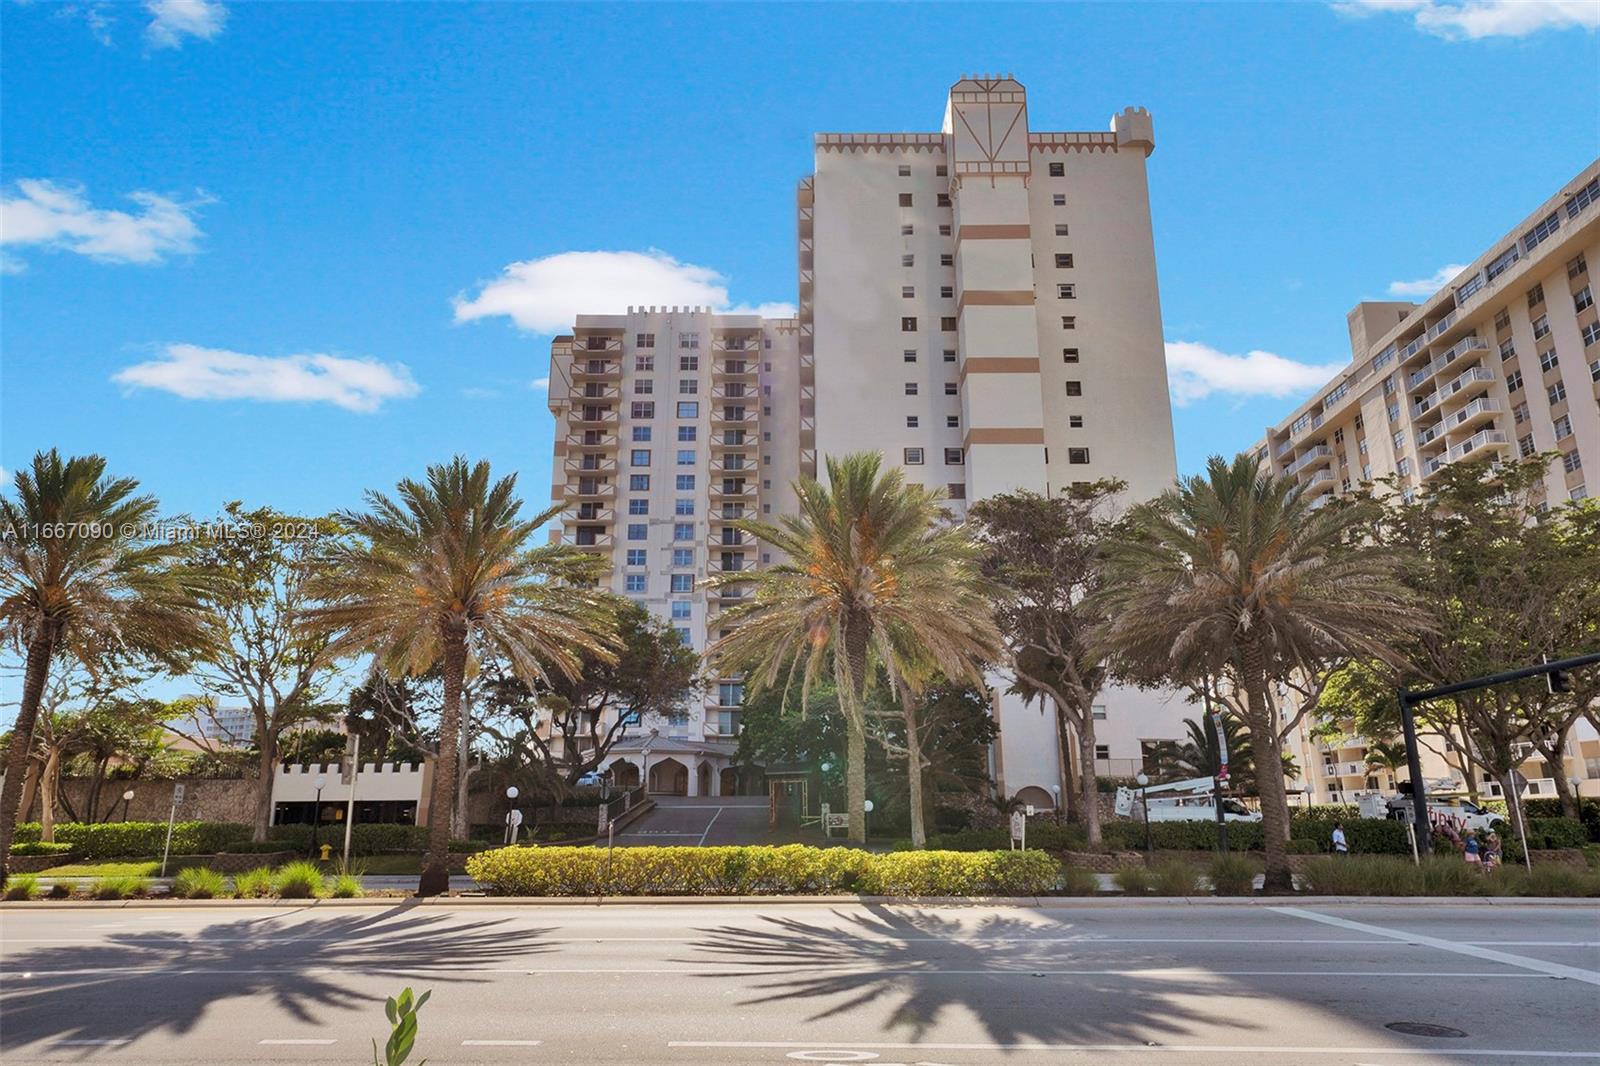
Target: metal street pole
x,y
316,820
1143,781
1419,789
1222,772
350,804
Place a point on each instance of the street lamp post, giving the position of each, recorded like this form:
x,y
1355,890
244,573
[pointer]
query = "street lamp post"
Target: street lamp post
x,y
316,818
511,828
127,798
1143,781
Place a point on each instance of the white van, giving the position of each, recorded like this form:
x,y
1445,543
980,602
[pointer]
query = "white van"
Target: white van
x,y
1199,809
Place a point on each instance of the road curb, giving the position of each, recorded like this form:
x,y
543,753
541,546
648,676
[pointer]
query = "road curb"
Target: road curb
x,y
1020,902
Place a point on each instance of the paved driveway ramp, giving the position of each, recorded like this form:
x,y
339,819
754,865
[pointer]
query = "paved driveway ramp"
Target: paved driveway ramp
x,y
698,821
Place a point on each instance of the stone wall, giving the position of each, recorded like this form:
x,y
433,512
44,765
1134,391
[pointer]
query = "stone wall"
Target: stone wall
x,y
206,799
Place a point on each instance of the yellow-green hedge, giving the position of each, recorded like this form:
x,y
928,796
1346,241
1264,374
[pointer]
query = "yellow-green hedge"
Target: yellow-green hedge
x,y
749,871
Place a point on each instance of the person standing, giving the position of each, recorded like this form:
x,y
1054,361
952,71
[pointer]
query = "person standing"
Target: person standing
x,y
1341,846
1469,848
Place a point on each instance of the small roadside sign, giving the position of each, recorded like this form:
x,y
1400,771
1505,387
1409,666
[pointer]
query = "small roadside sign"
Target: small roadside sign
x,y
177,793
1124,801
1019,828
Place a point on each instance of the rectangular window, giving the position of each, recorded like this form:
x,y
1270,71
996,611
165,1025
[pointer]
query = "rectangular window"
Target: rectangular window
x,y
687,433
952,457
909,355
1563,427
1058,199
1078,456
1061,229
638,507
1502,319
942,199
643,387
1069,355
1074,388
1074,421
1582,299
1063,260
941,171
944,229
1525,445
1572,461
1519,413
1508,349
1501,263
644,340
682,582
638,531
946,259
908,324
952,421
642,409
644,363
947,292
908,292
686,456
1069,321
1576,265
904,171
950,388
688,387
913,457
1514,381
1535,296
1541,327
1102,751
638,482
639,457
1547,360
1557,393
685,483
1066,292
907,230
683,508
682,557
688,409
683,531
633,583
1591,333
905,199
1541,232
911,421
908,260
681,610
689,340
1058,170
911,388
641,433
949,355
948,323
636,556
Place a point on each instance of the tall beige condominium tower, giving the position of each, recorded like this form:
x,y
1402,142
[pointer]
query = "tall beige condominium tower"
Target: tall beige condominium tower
x,y
980,305
671,424
1504,360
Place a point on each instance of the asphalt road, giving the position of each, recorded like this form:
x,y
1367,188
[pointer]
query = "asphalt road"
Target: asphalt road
x,y
1073,985
701,820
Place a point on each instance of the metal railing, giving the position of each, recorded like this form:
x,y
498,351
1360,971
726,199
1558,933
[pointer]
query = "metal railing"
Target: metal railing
x,y
616,807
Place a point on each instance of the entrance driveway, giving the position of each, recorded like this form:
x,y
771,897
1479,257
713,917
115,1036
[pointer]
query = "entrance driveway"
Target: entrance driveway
x,y
702,820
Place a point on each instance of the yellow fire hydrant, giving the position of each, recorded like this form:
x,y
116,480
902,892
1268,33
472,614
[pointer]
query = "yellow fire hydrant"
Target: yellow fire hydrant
x,y
327,852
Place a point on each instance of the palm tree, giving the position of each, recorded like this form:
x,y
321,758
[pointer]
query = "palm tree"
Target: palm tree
x,y
1232,573
78,576
444,571
1387,755
872,575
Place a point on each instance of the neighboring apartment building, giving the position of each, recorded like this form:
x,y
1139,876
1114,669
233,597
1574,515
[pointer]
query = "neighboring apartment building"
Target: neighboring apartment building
x,y
671,424
1503,361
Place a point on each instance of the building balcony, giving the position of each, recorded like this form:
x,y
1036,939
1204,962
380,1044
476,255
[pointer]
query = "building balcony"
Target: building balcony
x,y
1465,346
735,417
734,372
597,542
730,595
585,347
721,465
733,439
587,514
1488,438
722,490
604,416
586,370
1476,413
1459,390
719,518
596,465
733,539
1430,432
734,392
594,392
1319,455
583,490
745,341
1318,483
592,440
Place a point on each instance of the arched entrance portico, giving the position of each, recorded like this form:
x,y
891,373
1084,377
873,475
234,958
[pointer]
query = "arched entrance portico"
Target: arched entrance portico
x,y
1037,797
624,774
703,779
729,781
669,777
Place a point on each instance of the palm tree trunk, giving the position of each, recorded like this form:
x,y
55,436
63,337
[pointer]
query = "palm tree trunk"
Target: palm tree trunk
x,y
1069,797
435,878
1090,797
40,650
49,786
852,696
908,710
1269,774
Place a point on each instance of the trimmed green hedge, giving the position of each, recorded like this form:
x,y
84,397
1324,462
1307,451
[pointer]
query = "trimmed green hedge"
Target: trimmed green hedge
x,y
38,848
793,869
1443,875
1041,834
365,839
1308,834
114,840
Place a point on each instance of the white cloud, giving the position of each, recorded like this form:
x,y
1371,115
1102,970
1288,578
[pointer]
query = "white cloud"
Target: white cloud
x,y
539,384
478,392
58,216
1195,371
545,295
1475,19
1427,286
176,19
197,373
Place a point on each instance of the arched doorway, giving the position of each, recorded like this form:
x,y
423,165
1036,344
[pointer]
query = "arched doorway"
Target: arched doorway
x,y
624,774
1037,797
703,780
669,776
729,781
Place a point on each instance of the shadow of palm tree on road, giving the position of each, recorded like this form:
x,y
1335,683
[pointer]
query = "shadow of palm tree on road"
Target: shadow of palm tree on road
x,y
152,981
920,965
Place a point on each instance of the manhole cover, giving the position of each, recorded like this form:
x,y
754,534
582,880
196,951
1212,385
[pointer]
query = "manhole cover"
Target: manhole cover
x,y
1424,1029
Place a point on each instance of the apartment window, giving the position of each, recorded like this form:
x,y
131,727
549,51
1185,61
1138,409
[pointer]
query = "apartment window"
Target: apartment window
x,y
689,363
1403,466
1074,421
1541,327
949,355
1594,370
1074,388
911,388
952,457
688,387
1508,349
643,387
1591,333
1514,381
687,434
1576,265
1525,445
683,531
686,457
595,344
946,259
681,610
684,483
950,388
1069,321
1547,360
642,409
639,457
682,556
1470,286
1399,441
911,421
1563,427
904,171
905,199
1058,199
689,340
1061,229
908,325
1102,751
633,583
644,340
636,556
956,490
944,230
1078,456
1583,298
683,508
907,230
947,292
1066,292
1063,261
1557,393
942,199
1519,413
1502,319
1394,412
1572,461
908,292
1583,198
909,355
952,421
1578,493
688,409
1069,355
1541,232
682,582
1535,296
638,531
941,171
1058,170
644,363
638,482
948,323
641,433
1501,263
913,457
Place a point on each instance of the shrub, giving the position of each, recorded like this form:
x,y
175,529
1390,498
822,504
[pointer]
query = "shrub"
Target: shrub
x,y
61,890
39,848
1546,833
371,838
197,882
21,886
299,880
1133,880
1077,881
1231,875
257,847
790,869
120,887
346,886
253,884
1174,878
1549,879
114,840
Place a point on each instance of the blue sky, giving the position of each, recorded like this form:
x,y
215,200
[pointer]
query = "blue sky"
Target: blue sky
x,y
236,237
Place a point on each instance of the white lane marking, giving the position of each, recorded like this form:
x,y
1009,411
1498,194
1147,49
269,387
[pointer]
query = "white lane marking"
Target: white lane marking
x,y
1181,1049
709,824
1554,969
501,1043
298,1043
748,969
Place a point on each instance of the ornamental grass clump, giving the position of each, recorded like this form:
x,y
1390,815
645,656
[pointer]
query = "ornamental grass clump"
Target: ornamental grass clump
x,y
1231,875
346,886
253,884
1133,880
198,882
1077,881
128,887
299,880
1174,878
22,886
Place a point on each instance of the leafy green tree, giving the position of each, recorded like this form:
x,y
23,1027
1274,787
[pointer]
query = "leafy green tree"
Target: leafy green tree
x,y
870,575
1045,551
78,577
952,728
443,569
1232,574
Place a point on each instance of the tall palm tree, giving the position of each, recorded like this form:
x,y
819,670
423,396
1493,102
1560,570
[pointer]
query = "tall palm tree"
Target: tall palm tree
x,y
446,570
1387,754
80,576
1233,573
872,574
